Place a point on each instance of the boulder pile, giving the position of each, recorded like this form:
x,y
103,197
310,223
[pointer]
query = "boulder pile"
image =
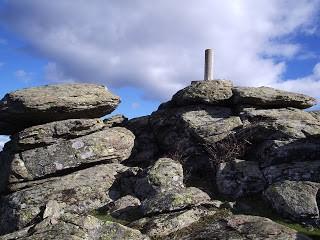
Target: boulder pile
x,y
184,172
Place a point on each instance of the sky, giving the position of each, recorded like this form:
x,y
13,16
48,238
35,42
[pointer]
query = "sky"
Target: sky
x,y
145,51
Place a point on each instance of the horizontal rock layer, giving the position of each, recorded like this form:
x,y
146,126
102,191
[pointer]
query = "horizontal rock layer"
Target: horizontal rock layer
x,y
34,106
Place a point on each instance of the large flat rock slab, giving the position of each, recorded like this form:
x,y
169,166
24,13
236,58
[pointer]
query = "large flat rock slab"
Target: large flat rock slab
x,y
54,132
109,145
267,97
34,106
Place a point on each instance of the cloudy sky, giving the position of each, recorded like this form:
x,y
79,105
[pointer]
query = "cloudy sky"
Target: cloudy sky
x,y
147,50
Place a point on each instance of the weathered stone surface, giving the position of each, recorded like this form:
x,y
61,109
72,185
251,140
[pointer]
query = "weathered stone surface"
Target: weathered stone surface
x,y
213,92
118,120
180,129
164,224
110,145
53,132
165,175
316,114
240,227
211,124
78,192
273,152
34,106
280,129
126,208
146,149
296,200
255,115
239,178
296,171
267,97
76,227
175,200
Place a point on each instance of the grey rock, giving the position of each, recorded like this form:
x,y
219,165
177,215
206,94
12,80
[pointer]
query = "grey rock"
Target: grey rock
x,y
165,224
146,150
78,192
34,106
53,132
175,200
273,152
118,120
110,145
280,129
126,208
316,114
76,227
255,115
239,178
267,97
296,171
211,124
182,129
295,200
213,92
240,227
165,175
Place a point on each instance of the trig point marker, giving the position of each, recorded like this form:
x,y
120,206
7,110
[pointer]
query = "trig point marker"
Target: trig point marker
x,y
208,65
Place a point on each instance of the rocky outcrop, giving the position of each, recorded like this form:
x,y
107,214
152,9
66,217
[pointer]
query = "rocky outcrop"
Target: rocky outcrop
x,y
158,176
34,106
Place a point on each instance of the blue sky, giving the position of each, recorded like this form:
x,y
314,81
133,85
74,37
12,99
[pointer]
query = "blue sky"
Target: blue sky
x,y
145,51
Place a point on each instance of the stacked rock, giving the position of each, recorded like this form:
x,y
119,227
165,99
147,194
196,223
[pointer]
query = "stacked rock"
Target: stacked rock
x,y
210,140
253,139
59,151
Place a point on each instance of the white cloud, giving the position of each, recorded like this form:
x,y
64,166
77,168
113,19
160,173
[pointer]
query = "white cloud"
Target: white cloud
x,y
158,45
3,140
23,76
309,84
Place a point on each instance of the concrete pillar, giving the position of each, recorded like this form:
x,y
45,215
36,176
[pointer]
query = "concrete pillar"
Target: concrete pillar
x,y
208,65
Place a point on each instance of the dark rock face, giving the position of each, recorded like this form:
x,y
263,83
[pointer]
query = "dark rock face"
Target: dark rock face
x,y
146,150
33,106
296,200
240,178
267,97
297,171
